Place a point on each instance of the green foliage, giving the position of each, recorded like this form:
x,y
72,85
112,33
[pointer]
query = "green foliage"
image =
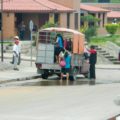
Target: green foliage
x,y
101,40
111,28
115,1
90,32
83,29
49,24
92,1
119,25
89,18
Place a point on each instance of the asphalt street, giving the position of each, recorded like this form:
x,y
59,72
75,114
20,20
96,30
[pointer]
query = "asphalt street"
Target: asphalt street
x,y
59,102
50,99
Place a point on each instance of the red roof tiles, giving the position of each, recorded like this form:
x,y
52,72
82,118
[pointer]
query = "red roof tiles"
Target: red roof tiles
x,y
92,8
34,6
113,14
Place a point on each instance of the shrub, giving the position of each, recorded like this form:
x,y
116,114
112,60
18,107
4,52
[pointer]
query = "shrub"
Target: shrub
x,y
90,32
49,24
111,28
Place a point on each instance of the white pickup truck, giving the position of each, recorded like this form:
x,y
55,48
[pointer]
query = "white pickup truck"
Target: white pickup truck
x,y
45,44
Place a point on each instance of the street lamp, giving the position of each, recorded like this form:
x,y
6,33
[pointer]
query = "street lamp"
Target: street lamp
x,y
1,31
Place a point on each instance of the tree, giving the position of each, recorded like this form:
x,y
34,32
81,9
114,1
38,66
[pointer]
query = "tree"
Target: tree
x,y
89,19
49,24
89,31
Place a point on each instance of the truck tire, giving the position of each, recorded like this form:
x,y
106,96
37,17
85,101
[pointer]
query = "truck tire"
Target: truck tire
x,y
45,74
86,75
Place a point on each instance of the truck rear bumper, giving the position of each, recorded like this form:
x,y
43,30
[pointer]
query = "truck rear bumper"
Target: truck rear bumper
x,y
48,66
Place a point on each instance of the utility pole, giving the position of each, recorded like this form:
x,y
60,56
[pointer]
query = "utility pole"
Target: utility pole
x,y
1,30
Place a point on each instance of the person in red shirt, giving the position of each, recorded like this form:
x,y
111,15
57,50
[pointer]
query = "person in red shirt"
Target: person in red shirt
x,y
92,61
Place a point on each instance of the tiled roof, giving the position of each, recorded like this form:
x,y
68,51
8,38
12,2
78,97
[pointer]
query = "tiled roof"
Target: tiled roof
x,y
109,6
34,6
113,14
92,8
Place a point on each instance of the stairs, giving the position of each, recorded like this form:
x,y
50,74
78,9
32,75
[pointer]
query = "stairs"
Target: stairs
x,y
107,55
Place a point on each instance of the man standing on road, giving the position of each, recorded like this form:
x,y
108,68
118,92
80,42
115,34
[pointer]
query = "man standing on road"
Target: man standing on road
x,y
92,61
16,53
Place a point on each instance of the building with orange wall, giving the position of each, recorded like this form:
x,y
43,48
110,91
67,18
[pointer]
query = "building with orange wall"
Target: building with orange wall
x,y
66,14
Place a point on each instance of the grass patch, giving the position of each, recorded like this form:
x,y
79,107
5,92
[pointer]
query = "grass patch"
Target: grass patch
x,y
103,39
7,43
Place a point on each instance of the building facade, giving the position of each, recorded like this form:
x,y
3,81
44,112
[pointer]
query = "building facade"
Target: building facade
x,y
65,14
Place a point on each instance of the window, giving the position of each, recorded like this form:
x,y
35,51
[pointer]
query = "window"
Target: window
x,y
81,21
76,21
68,20
56,18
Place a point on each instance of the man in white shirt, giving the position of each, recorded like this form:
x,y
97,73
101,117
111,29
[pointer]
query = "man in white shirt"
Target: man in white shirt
x,y
16,53
19,60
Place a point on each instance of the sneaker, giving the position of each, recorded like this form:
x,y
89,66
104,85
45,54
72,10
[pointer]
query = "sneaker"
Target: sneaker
x,y
16,69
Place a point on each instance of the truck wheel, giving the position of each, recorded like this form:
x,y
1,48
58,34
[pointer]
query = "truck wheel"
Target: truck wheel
x,y
45,74
86,75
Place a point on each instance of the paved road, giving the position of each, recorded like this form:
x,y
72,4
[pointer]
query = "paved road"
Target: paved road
x,y
59,102
108,76
65,102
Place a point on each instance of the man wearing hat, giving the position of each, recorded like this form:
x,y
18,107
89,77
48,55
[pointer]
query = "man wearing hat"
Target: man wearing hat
x,y
16,52
19,60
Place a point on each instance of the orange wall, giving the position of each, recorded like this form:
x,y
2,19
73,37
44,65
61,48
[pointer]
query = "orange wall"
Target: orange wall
x,y
8,25
63,20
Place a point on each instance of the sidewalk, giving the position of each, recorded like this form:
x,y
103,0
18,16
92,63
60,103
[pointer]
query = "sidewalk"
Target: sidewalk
x,y
26,71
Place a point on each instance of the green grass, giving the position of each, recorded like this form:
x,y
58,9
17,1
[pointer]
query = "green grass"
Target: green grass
x,y
115,1
102,40
7,43
96,1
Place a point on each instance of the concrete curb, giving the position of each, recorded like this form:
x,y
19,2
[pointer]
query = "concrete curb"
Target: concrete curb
x,y
24,59
107,68
20,79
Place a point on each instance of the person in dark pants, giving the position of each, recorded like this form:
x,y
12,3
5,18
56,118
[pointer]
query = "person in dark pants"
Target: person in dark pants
x,y
92,61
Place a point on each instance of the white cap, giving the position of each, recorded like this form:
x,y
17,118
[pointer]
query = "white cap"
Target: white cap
x,y
16,37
